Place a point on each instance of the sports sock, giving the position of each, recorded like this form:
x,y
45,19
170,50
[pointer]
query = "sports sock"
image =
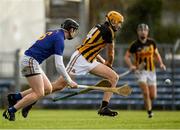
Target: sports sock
x,y
18,96
104,104
149,112
12,109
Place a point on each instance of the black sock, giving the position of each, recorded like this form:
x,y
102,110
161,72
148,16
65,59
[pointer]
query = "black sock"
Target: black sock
x,y
149,112
18,96
12,109
104,104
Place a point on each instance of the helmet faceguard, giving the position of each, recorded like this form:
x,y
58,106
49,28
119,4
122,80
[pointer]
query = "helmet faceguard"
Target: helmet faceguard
x,y
72,33
115,19
142,31
71,26
142,26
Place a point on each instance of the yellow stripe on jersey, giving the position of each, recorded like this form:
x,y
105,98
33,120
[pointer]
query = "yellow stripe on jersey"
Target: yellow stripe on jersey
x,y
146,55
93,53
92,45
94,36
90,53
144,52
148,63
88,41
152,63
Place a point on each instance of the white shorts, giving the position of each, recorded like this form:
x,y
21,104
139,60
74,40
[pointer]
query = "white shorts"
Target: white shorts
x,y
148,77
78,65
29,66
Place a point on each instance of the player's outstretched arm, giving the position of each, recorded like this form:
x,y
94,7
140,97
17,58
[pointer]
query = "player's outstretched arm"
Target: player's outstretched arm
x,y
110,52
162,66
62,70
128,60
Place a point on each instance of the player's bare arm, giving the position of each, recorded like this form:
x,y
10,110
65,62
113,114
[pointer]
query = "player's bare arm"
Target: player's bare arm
x,y
158,56
110,55
128,61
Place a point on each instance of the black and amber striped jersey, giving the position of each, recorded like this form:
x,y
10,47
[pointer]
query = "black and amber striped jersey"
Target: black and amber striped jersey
x,y
96,40
144,52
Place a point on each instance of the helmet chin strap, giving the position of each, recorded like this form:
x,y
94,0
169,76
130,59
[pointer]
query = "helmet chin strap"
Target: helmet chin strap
x,y
114,29
111,25
70,36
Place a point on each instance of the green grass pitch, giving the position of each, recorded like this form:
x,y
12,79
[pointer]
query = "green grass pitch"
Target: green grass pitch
x,y
88,119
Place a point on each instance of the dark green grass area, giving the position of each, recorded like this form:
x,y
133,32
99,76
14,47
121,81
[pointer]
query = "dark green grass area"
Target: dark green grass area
x,y
88,119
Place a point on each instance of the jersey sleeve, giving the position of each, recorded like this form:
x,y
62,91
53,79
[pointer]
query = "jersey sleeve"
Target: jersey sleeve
x,y
61,68
132,47
59,46
154,44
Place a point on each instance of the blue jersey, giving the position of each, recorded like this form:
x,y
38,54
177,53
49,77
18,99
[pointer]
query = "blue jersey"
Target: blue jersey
x,y
48,44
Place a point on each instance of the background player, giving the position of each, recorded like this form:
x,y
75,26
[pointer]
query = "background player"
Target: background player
x,y
51,43
144,50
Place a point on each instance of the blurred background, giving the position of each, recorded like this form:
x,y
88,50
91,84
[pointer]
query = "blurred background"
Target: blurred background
x,y
23,21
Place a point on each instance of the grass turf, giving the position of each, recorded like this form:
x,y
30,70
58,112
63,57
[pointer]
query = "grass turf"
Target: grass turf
x,y
88,119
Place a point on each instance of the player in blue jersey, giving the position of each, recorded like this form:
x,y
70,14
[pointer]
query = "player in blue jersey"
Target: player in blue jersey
x,y
51,43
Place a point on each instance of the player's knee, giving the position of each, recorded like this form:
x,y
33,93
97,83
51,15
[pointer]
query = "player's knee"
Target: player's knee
x,y
48,90
153,97
145,94
36,96
39,95
114,78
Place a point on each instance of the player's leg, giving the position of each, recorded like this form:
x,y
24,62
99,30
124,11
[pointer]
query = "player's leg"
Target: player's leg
x,y
59,84
78,65
152,89
152,85
37,85
48,90
146,95
13,98
142,77
153,92
152,95
107,73
29,67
